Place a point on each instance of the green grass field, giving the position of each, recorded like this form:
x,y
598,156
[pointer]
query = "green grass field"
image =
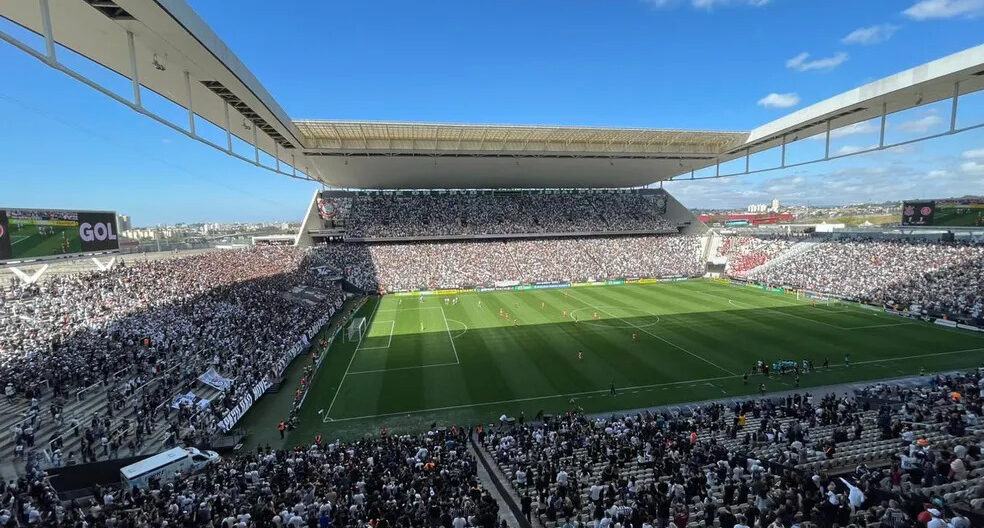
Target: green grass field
x,y
424,362
28,242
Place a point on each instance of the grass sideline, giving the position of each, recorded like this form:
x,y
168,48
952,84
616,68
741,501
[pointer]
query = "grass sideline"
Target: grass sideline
x,y
426,362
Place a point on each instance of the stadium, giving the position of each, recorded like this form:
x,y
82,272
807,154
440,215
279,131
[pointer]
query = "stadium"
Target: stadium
x,y
487,325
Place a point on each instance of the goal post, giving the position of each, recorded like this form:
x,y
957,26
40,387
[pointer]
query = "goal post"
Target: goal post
x,y
356,329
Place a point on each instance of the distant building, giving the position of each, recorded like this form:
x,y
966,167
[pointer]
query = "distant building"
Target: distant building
x,y
123,223
775,205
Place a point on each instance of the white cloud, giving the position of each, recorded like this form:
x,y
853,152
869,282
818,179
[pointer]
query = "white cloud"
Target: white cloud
x,y
779,100
937,173
972,167
974,154
923,124
929,9
710,4
864,127
799,62
871,35
851,149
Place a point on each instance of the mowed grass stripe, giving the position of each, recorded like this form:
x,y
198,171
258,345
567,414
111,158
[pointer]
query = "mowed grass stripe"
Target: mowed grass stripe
x,y
536,361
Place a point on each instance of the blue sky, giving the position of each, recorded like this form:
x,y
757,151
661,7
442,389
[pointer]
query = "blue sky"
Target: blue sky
x,y
698,64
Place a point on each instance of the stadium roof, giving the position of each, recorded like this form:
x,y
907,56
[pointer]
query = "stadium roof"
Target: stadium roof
x,y
163,46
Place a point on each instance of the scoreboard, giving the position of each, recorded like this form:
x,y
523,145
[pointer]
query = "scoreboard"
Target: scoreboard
x,y
955,212
41,234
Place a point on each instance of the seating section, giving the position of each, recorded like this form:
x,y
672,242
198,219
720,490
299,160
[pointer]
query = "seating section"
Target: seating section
x,y
433,213
747,252
459,264
421,480
939,277
756,462
92,363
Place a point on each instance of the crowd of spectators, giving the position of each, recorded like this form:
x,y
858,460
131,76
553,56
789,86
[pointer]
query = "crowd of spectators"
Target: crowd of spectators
x,y
747,252
742,464
938,277
458,264
482,213
389,481
145,329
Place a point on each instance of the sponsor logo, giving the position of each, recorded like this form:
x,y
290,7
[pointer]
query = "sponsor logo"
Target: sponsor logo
x,y
909,210
99,231
926,211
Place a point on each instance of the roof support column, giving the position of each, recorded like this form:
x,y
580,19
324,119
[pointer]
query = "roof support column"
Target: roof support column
x,y
826,148
881,133
276,154
256,146
293,166
747,161
133,68
953,108
191,107
228,129
782,159
717,168
49,37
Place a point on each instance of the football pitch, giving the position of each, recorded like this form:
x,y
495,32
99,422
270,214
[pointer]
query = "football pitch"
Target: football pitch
x,y
423,360
27,241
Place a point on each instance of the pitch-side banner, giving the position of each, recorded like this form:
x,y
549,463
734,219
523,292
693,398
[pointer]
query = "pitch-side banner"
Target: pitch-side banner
x,y
33,234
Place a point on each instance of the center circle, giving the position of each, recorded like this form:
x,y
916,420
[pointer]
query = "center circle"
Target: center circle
x,y
615,317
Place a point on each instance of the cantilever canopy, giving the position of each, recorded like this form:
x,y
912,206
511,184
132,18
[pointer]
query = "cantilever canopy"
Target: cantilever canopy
x,y
164,47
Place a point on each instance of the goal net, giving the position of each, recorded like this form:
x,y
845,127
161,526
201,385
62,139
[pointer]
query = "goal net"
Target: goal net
x,y
356,329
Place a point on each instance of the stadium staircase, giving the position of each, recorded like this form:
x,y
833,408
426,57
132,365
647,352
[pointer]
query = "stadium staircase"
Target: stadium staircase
x,y
78,415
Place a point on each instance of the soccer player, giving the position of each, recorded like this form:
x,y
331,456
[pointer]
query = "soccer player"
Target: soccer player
x,y
635,336
847,360
542,304
744,378
826,363
580,354
595,315
565,314
612,388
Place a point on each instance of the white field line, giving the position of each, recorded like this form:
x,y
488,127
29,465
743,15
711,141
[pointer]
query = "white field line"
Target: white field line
x,y
463,332
351,359
416,309
642,329
450,337
623,389
414,367
388,342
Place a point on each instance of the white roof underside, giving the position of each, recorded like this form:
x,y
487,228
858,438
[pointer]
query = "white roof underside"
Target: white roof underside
x,y
432,155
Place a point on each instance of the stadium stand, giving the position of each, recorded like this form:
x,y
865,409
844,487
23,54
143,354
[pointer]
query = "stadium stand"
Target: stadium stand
x,y
745,253
458,264
100,364
388,215
938,277
882,456
425,480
